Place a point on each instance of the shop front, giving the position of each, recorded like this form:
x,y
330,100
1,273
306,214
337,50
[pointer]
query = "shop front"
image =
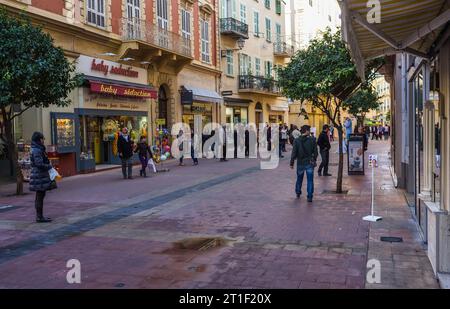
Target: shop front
x,y
237,111
198,101
278,112
86,139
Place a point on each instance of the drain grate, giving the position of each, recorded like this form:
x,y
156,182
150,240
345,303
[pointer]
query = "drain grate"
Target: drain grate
x,y
391,239
199,244
344,192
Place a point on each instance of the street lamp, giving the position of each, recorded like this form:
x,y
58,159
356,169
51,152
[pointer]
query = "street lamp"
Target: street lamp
x,y
240,43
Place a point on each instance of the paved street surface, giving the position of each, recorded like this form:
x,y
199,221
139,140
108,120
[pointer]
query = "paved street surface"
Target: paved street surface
x,y
216,225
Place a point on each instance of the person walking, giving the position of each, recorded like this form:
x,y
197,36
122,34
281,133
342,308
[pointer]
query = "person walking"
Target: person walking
x,y
324,144
144,152
193,154
332,133
40,181
125,149
305,152
380,132
348,128
180,138
284,137
224,146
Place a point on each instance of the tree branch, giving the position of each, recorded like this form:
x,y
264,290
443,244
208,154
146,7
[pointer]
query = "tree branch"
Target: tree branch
x,y
19,113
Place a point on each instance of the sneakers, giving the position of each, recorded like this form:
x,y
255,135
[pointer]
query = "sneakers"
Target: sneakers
x,y
310,200
298,195
43,220
327,175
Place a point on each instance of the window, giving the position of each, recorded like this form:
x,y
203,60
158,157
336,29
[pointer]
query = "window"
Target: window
x,y
133,22
230,63
257,67
278,7
278,32
243,13
162,14
310,3
244,64
186,24
267,4
96,12
268,30
256,23
205,40
268,69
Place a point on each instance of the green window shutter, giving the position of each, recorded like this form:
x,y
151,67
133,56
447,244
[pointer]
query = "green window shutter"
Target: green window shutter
x,y
278,7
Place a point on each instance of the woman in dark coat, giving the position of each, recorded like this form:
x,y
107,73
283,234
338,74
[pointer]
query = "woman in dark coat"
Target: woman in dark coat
x,y
39,179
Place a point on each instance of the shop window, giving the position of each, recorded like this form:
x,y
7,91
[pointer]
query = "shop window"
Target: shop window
x,y
63,132
162,104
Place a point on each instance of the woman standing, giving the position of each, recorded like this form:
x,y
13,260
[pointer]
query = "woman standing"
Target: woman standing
x,y
40,178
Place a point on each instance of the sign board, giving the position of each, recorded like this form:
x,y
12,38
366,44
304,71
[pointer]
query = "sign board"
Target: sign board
x,y
160,122
373,161
227,93
122,90
187,97
112,70
355,154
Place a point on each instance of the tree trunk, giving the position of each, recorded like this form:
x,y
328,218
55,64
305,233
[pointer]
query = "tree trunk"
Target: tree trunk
x,y
12,151
341,161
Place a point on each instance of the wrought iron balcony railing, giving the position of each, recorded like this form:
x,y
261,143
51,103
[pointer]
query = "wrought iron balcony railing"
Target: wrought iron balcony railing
x,y
258,84
138,29
233,27
283,49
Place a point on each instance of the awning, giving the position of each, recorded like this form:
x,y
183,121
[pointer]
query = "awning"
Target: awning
x,y
279,107
237,102
204,95
125,89
405,26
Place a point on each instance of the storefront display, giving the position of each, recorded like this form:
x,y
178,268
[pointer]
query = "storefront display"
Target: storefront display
x,y
236,114
356,155
203,109
24,156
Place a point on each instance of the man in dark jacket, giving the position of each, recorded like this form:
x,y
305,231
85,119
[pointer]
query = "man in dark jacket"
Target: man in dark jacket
x,y
39,178
324,143
125,149
305,152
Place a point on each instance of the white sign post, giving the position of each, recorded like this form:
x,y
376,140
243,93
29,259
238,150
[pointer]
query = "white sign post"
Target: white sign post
x,y
373,163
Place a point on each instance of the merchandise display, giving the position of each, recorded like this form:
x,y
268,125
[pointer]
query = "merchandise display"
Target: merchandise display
x,y
65,132
24,151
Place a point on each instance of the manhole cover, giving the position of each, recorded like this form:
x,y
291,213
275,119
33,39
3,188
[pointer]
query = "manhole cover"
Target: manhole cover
x,y
120,285
391,239
199,244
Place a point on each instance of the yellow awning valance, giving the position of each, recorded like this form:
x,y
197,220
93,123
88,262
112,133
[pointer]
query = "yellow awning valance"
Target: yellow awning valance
x,y
404,26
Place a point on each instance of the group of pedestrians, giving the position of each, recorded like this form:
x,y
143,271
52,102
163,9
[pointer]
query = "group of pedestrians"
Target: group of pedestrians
x,y
380,132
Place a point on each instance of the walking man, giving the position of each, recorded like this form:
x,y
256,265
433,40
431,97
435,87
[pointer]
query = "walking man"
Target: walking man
x,y
324,144
305,152
125,148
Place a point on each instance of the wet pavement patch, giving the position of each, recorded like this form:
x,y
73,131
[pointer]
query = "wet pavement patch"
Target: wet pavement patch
x,y
4,208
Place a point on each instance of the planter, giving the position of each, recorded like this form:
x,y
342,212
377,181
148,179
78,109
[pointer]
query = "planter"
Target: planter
x,y
87,166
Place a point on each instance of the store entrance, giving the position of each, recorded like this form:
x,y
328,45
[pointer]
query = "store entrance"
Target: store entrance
x,y
99,136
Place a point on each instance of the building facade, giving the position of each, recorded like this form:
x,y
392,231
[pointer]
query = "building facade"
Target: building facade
x,y
138,58
305,19
253,44
383,90
418,70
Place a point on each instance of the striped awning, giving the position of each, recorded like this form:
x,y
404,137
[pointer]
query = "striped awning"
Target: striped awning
x,y
404,26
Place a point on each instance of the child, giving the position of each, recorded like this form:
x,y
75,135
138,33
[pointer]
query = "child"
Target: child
x,y
143,149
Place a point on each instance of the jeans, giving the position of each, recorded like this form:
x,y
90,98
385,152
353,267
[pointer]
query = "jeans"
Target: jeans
x,y
325,154
127,165
310,179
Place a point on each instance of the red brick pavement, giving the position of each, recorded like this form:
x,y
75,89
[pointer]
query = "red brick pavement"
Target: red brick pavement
x,y
272,240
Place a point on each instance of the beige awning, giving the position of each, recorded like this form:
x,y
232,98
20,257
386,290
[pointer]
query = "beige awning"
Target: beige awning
x,y
406,26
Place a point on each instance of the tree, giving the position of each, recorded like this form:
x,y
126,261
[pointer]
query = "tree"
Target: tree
x,y
33,73
324,75
361,102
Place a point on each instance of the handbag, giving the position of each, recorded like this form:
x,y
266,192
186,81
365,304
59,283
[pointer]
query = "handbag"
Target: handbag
x,y
312,161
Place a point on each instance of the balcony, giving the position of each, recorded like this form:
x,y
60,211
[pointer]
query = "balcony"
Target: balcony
x,y
258,84
233,27
148,42
282,49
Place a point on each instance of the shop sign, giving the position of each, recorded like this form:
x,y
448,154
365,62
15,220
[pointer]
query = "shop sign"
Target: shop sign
x,y
112,70
122,91
160,122
227,93
198,109
99,101
187,97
